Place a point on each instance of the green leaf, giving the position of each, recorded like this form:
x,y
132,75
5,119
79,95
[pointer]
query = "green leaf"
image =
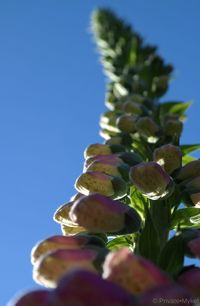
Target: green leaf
x,y
172,256
138,201
186,217
118,242
149,244
189,148
177,108
187,159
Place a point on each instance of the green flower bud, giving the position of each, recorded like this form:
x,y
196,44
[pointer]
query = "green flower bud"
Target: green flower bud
x,y
160,84
131,272
148,129
132,108
101,214
168,157
173,128
114,140
189,171
102,183
151,180
127,123
193,184
103,149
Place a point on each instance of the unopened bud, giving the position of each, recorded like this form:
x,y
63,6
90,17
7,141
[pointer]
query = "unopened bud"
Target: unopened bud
x,y
194,246
103,149
110,158
189,171
130,158
168,157
127,123
173,128
190,279
84,288
102,183
147,128
151,180
33,298
51,267
132,108
101,214
131,272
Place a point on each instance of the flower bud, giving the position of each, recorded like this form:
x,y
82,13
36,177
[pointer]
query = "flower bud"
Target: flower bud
x,y
62,216
151,180
173,128
61,242
190,279
120,170
84,288
135,98
166,295
110,158
132,108
52,266
148,129
33,298
115,140
194,246
101,214
168,157
130,158
127,123
103,149
102,183
131,272
189,171
160,84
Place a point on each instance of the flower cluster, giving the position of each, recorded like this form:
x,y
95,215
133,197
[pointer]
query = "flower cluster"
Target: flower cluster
x,y
136,188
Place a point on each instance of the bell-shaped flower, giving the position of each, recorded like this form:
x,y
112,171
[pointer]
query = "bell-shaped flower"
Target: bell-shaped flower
x,y
151,180
103,149
189,171
173,128
131,272
148,129
169,157
101,214
127,123
33,298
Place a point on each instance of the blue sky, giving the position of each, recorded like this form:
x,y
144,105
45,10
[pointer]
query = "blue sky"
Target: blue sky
x,y
51,95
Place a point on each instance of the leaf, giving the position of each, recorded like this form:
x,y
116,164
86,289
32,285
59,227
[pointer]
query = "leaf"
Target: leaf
x,y
189,148
149,244
177,108
118,242
187,159
186,217
138,201
172,256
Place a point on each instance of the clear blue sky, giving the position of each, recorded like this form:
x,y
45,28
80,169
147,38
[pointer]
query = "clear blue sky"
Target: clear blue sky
x,y
51,95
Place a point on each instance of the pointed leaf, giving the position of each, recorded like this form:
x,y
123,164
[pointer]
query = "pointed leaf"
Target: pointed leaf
x,y
178,108
189,148
186,217
117,243
187,159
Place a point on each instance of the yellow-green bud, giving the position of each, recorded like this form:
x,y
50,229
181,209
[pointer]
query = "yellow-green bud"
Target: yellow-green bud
x,y
103,149
102,183
169,157
147,128
151,180
127,123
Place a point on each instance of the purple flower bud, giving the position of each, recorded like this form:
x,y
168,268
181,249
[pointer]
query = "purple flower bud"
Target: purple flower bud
x,y
127,123
147,128
102,149
194,246
189,171
101,214
52,266
80,287
190,279
167,295
110,158
168,157
151,180
131,272
33,298
102,183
